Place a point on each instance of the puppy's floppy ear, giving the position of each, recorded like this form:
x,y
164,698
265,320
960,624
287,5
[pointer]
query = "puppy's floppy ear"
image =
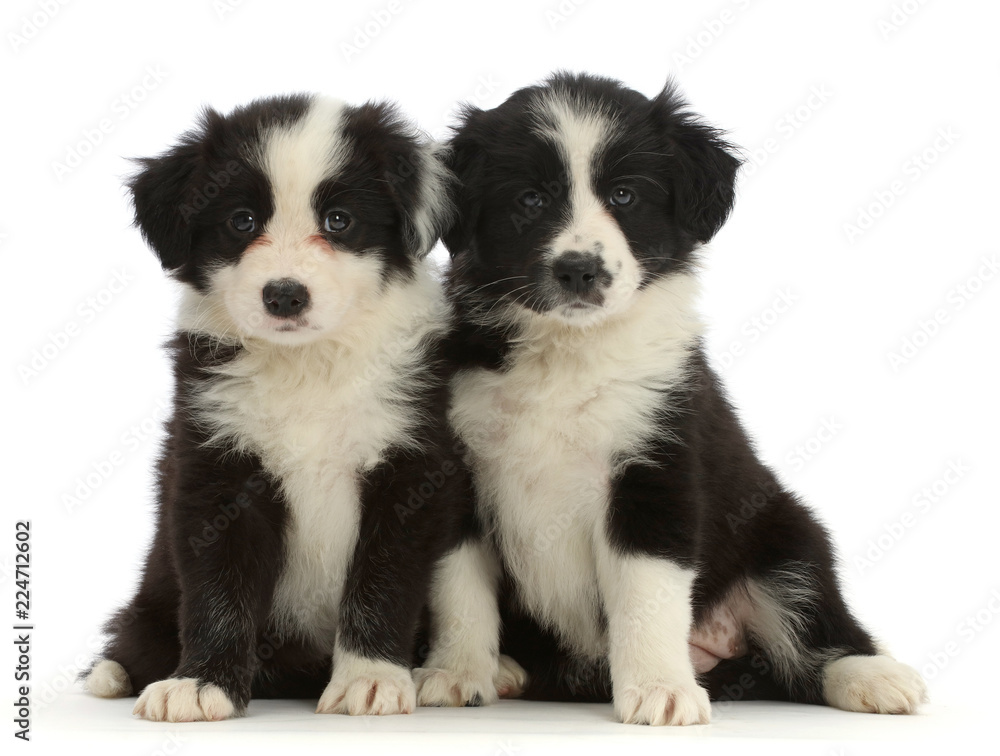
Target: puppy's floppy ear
x,y
466,159
430,211
162,194
703,163
413,169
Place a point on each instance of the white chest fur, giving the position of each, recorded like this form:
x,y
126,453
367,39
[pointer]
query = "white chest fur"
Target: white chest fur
x,y
318,416
547,434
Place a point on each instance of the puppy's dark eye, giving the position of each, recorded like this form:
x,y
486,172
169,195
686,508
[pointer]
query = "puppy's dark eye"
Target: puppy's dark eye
x,y
532,198
243,222
337,221
621,196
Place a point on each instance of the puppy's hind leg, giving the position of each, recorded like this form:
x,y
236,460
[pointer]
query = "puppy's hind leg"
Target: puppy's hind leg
x,y
816,649
511,679
108,679
143,637
875,684
144,647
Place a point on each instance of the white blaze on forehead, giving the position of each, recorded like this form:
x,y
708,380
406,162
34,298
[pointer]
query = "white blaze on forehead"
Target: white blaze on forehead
x,y
581,132
298,157
578,134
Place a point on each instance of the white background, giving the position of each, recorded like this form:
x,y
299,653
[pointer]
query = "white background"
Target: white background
x,y
893,77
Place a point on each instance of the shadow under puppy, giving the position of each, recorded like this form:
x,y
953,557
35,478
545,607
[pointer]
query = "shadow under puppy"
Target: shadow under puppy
x,y
309,407
640,550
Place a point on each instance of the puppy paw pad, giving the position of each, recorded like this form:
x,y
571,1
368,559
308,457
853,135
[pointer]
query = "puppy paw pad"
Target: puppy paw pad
x,y
511,679
183,699
359,695
442,687
873,684
663,703
108,679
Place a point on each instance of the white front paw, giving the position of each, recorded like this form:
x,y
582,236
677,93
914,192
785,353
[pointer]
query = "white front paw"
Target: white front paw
x,y
366,686
183,699
443,687
662,702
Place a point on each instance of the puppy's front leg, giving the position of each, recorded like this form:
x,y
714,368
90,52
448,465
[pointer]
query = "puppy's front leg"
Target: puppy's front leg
x,y
463,668
386,588
641,550
227,575
648,605
371,670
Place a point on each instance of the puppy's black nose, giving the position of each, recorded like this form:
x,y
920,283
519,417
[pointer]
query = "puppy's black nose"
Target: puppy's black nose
x,y
285,298
576,272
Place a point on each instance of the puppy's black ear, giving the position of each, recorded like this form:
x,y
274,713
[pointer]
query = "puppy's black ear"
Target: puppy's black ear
x,y
162,193
428,210
703,163
466,159
413,169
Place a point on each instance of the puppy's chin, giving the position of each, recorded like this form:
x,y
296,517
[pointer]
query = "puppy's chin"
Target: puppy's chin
x,y
329,323
579,314
289,334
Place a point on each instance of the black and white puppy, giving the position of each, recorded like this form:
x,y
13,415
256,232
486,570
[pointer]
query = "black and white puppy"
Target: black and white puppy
x,y
309,411
635,540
